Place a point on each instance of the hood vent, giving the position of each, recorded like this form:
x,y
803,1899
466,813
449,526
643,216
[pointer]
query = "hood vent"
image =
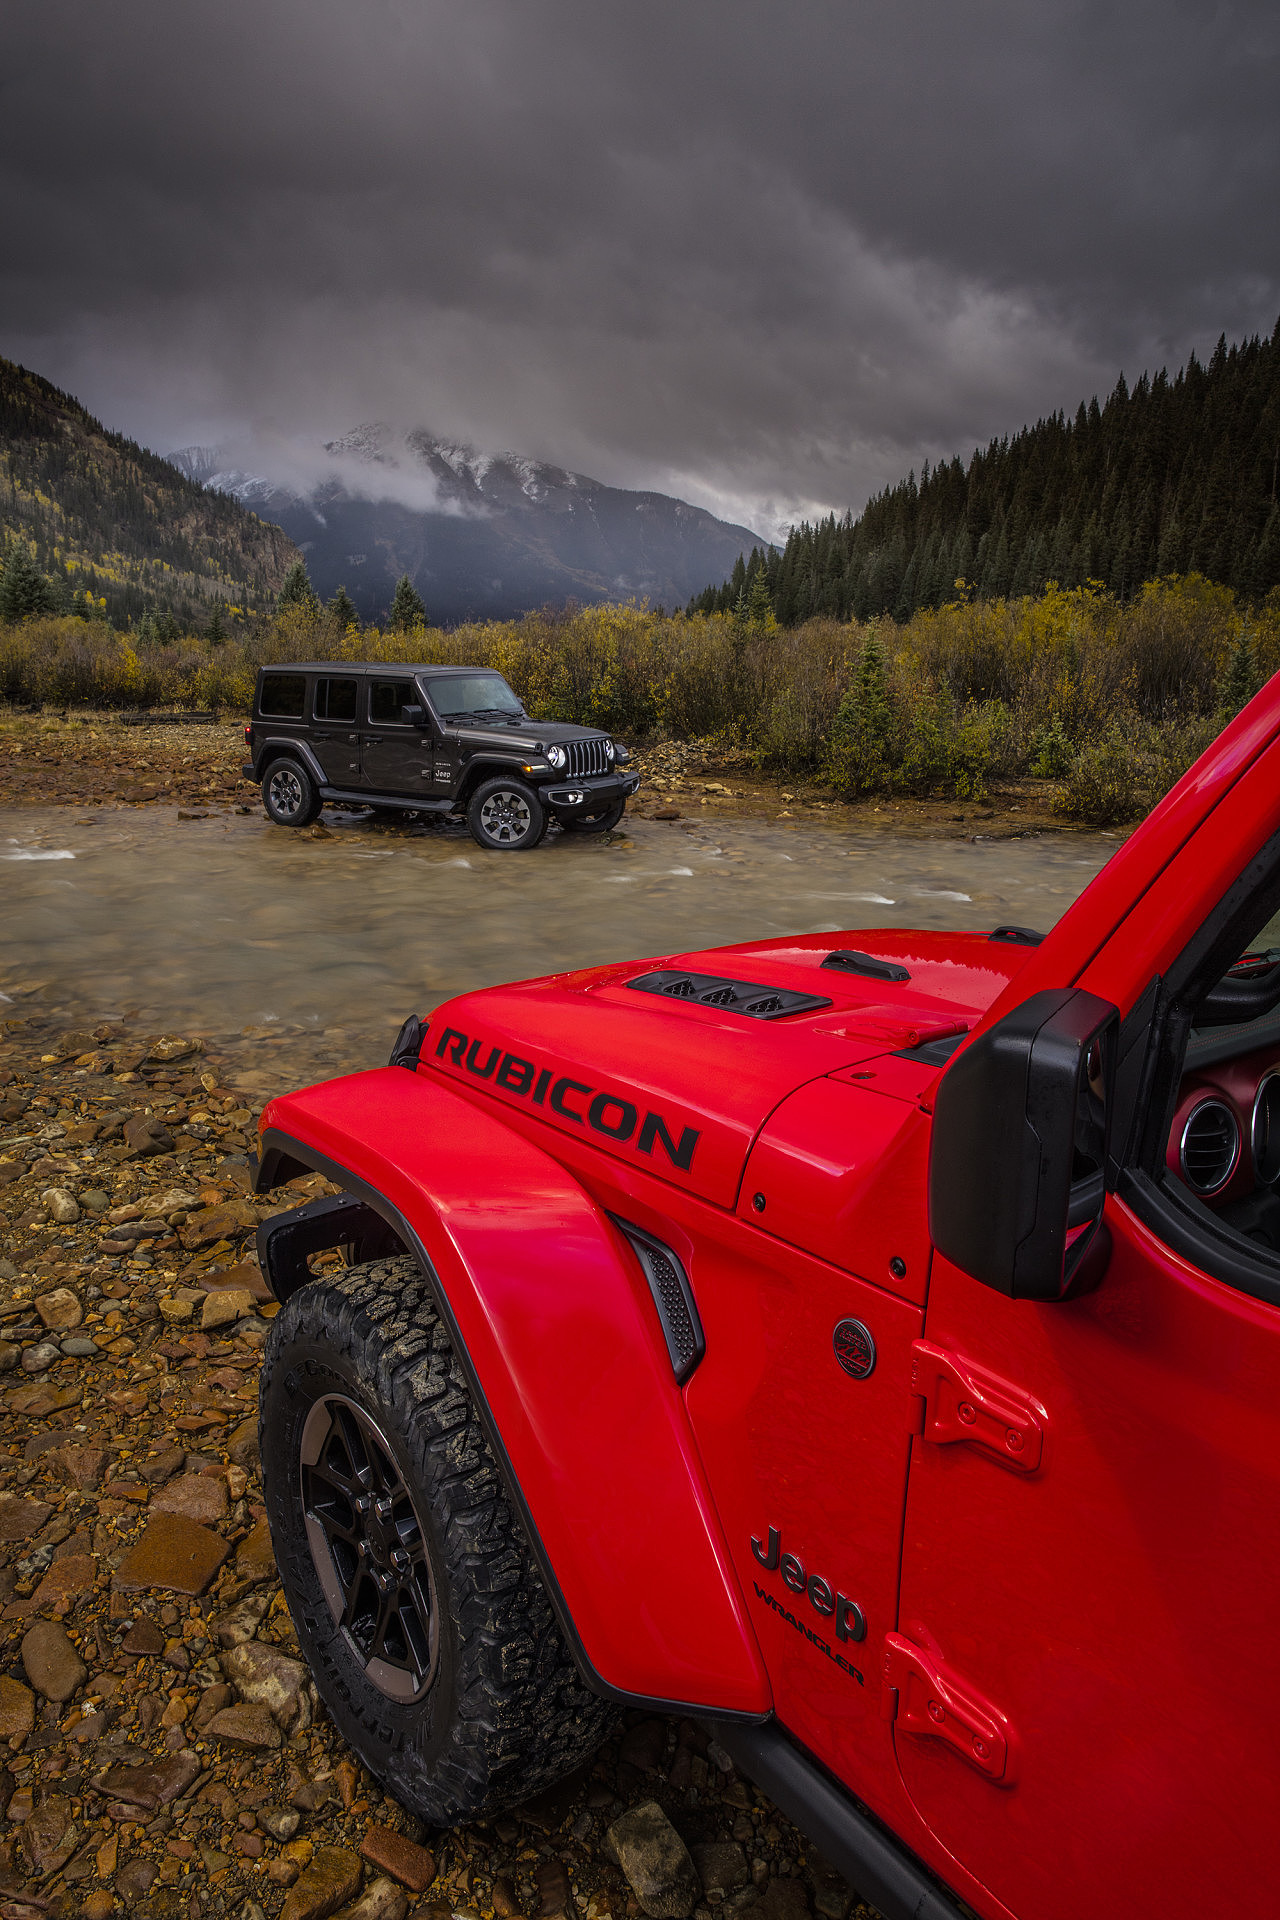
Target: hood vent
x,y
743,997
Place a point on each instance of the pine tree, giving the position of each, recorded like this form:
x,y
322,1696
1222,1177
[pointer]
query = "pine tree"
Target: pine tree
x,y
23,588
759,605
297,590
215,632
407,609
342,609
1241,680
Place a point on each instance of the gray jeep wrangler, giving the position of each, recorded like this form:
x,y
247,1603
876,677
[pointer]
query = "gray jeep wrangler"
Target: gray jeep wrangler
x,y
443,740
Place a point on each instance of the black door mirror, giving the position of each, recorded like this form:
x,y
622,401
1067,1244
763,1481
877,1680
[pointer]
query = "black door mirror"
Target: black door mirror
x,y
1021,1129
414,716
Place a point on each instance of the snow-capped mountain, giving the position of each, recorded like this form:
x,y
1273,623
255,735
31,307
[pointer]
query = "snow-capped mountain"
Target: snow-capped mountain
x,y
481,535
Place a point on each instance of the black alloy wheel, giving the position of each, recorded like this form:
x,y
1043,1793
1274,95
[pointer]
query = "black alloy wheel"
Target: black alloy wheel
x,y
289,794
597,822
506,816
369,1547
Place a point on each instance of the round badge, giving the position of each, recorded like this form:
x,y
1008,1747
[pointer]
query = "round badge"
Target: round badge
x,y
854,1348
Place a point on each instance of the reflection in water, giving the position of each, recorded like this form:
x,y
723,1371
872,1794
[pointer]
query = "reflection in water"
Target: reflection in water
x,y
321,947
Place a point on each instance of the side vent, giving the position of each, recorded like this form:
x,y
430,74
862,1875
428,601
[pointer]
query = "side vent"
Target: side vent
x,y
848,960
1210,1146
754,1002
672,1296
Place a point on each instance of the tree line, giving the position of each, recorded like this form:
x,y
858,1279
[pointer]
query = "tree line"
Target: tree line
x,y
1171,476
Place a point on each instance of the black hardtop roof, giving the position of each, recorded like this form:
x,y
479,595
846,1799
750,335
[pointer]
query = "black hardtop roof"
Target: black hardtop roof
x,y
342,668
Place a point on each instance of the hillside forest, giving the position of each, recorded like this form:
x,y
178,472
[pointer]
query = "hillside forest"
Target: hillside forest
x,y
1171,476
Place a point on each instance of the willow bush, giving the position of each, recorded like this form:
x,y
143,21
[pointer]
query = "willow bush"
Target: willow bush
x,y
1110,701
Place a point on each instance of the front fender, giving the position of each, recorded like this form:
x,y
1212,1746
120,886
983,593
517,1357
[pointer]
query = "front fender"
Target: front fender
x,y
553,1321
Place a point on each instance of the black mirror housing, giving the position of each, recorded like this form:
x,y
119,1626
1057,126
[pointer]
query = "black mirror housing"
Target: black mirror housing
x,y
414,716
1021,1130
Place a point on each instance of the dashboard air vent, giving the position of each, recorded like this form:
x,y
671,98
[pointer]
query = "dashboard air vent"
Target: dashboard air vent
x,y
1210,1146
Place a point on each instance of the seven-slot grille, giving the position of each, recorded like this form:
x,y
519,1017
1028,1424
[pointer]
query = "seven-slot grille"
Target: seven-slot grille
x,y
585,757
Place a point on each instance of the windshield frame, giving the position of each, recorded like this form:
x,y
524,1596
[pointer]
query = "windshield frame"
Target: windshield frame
x,y
462,715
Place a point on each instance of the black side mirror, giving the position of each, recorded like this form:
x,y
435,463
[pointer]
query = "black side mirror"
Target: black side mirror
x,y
414,716
1021,1129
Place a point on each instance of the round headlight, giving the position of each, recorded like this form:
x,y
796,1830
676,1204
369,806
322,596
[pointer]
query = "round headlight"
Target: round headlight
x,y
555,756
609,750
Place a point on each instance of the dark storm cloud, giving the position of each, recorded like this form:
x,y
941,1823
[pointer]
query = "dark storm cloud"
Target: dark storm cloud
x,y
767,255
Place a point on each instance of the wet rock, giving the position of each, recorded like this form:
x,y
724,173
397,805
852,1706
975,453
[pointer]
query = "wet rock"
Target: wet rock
x,y
98,1905
331,1879
174,1553
65,1581
144,1135
80,1347
832,1894
21,1518
197,1495
254,1559
49,1836
52,1664
135,1880
143,1637
782,1899
503,1899
225,1306
656,1862
36,1359
17,1709
59,1310
222,1222
93,1200
249,1726
79,1466
241,1622
722,1867
172,1046
61,1205
280,1822
212,1701
401,1857
162,1466
152,1783
382,1899
10,1354
269,1678
554,1892
242,1445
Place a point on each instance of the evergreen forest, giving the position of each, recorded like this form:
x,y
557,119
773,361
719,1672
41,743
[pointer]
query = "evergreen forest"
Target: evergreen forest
x,y
92,523
1171,476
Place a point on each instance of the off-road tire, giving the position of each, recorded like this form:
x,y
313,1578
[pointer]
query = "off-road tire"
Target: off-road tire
x,y
289,794
599,822
506,816
505,1713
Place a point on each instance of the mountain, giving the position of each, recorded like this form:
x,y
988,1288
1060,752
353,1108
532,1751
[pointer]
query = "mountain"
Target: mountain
x,y
1173,476
108,518
481,535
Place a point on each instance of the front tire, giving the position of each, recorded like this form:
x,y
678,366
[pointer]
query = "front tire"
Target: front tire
x,y
506,816
420,1611
290,795
599,822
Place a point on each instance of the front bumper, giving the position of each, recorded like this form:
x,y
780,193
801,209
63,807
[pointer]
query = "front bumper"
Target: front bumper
x,y
589,796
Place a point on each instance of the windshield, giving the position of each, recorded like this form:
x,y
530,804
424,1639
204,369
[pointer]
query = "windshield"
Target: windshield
x,y
471,696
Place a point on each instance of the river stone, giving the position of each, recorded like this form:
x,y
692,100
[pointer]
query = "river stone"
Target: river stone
x,y
17,1709
382,1899
254,1559
145,1134
20,1517
49,1836
66,1579
246,1725
81,1467
52,1664
401,1857
43,1354
172,1046
722,1866
175,1553
656,1862
332,1878
135,1880
225,1306
61,1206
144,1637
223,1222
94,1200
80,1347
269,1678
152,1784
198,1495
59,1311
10,1354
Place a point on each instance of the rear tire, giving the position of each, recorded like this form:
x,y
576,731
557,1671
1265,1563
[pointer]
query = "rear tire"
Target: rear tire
x,y
506,816
289,794
451,1681
599,822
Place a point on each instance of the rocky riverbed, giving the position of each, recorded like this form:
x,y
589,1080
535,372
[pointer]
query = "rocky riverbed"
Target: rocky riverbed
x,y
165,1752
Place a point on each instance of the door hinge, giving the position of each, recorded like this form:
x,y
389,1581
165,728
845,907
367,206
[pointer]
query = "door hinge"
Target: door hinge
x,y
954,1401
919,1697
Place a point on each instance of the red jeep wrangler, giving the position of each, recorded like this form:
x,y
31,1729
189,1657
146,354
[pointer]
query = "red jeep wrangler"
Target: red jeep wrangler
x,y
870,1345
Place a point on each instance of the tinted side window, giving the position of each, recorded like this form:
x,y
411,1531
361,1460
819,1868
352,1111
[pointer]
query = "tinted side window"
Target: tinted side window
x,y
335,699
284,695
386,697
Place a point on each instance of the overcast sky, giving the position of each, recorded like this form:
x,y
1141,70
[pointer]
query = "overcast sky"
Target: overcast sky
x,y
768,256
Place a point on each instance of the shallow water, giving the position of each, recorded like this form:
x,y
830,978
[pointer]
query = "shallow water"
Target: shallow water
x,y
305,955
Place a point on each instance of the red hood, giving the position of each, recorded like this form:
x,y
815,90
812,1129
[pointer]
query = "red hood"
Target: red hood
x,y
683,1089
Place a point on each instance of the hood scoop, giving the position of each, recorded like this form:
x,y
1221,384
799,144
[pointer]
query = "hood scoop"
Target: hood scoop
x,y
744,997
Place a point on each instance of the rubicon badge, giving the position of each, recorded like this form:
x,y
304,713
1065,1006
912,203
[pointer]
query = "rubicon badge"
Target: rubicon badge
x,y
854,1348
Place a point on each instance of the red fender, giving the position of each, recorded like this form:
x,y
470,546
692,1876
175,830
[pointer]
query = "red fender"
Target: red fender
x,y
553,1319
